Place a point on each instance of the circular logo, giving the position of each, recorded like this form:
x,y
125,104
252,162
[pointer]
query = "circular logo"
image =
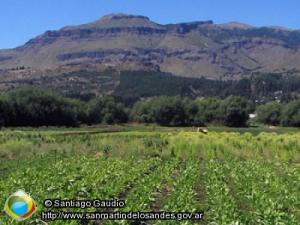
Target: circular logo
x,y
20,206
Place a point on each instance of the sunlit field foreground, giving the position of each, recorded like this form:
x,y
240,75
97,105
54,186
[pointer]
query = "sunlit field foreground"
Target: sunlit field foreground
x,y
233,178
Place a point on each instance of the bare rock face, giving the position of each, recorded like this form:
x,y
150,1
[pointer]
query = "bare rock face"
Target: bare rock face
x,y
127,42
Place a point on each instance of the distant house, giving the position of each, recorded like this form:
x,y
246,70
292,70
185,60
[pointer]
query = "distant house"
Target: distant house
x,y
252,115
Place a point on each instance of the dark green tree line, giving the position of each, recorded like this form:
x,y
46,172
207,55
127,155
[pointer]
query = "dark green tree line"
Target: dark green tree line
x,y
176,111
274,113
38,107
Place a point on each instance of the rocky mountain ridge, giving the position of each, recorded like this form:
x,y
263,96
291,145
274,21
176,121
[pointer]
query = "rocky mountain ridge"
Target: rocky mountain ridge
x,y
127,42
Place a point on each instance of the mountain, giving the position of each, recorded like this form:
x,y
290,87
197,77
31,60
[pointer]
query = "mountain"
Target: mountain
x,y
127,42
132,57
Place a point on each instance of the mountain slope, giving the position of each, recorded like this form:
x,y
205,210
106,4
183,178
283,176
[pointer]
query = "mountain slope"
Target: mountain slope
x,y
127,42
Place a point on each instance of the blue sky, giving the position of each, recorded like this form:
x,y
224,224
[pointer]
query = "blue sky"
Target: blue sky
x,y
21,20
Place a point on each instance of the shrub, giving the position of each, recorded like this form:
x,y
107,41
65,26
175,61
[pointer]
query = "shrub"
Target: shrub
x,y
270,113
291,114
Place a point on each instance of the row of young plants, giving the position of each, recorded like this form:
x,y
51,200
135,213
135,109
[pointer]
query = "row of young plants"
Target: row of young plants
x,y
222,205
142,195
251,192
236,189
183,195
78,177
267,197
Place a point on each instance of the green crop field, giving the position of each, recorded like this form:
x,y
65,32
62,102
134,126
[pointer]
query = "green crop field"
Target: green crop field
x,y
232,177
